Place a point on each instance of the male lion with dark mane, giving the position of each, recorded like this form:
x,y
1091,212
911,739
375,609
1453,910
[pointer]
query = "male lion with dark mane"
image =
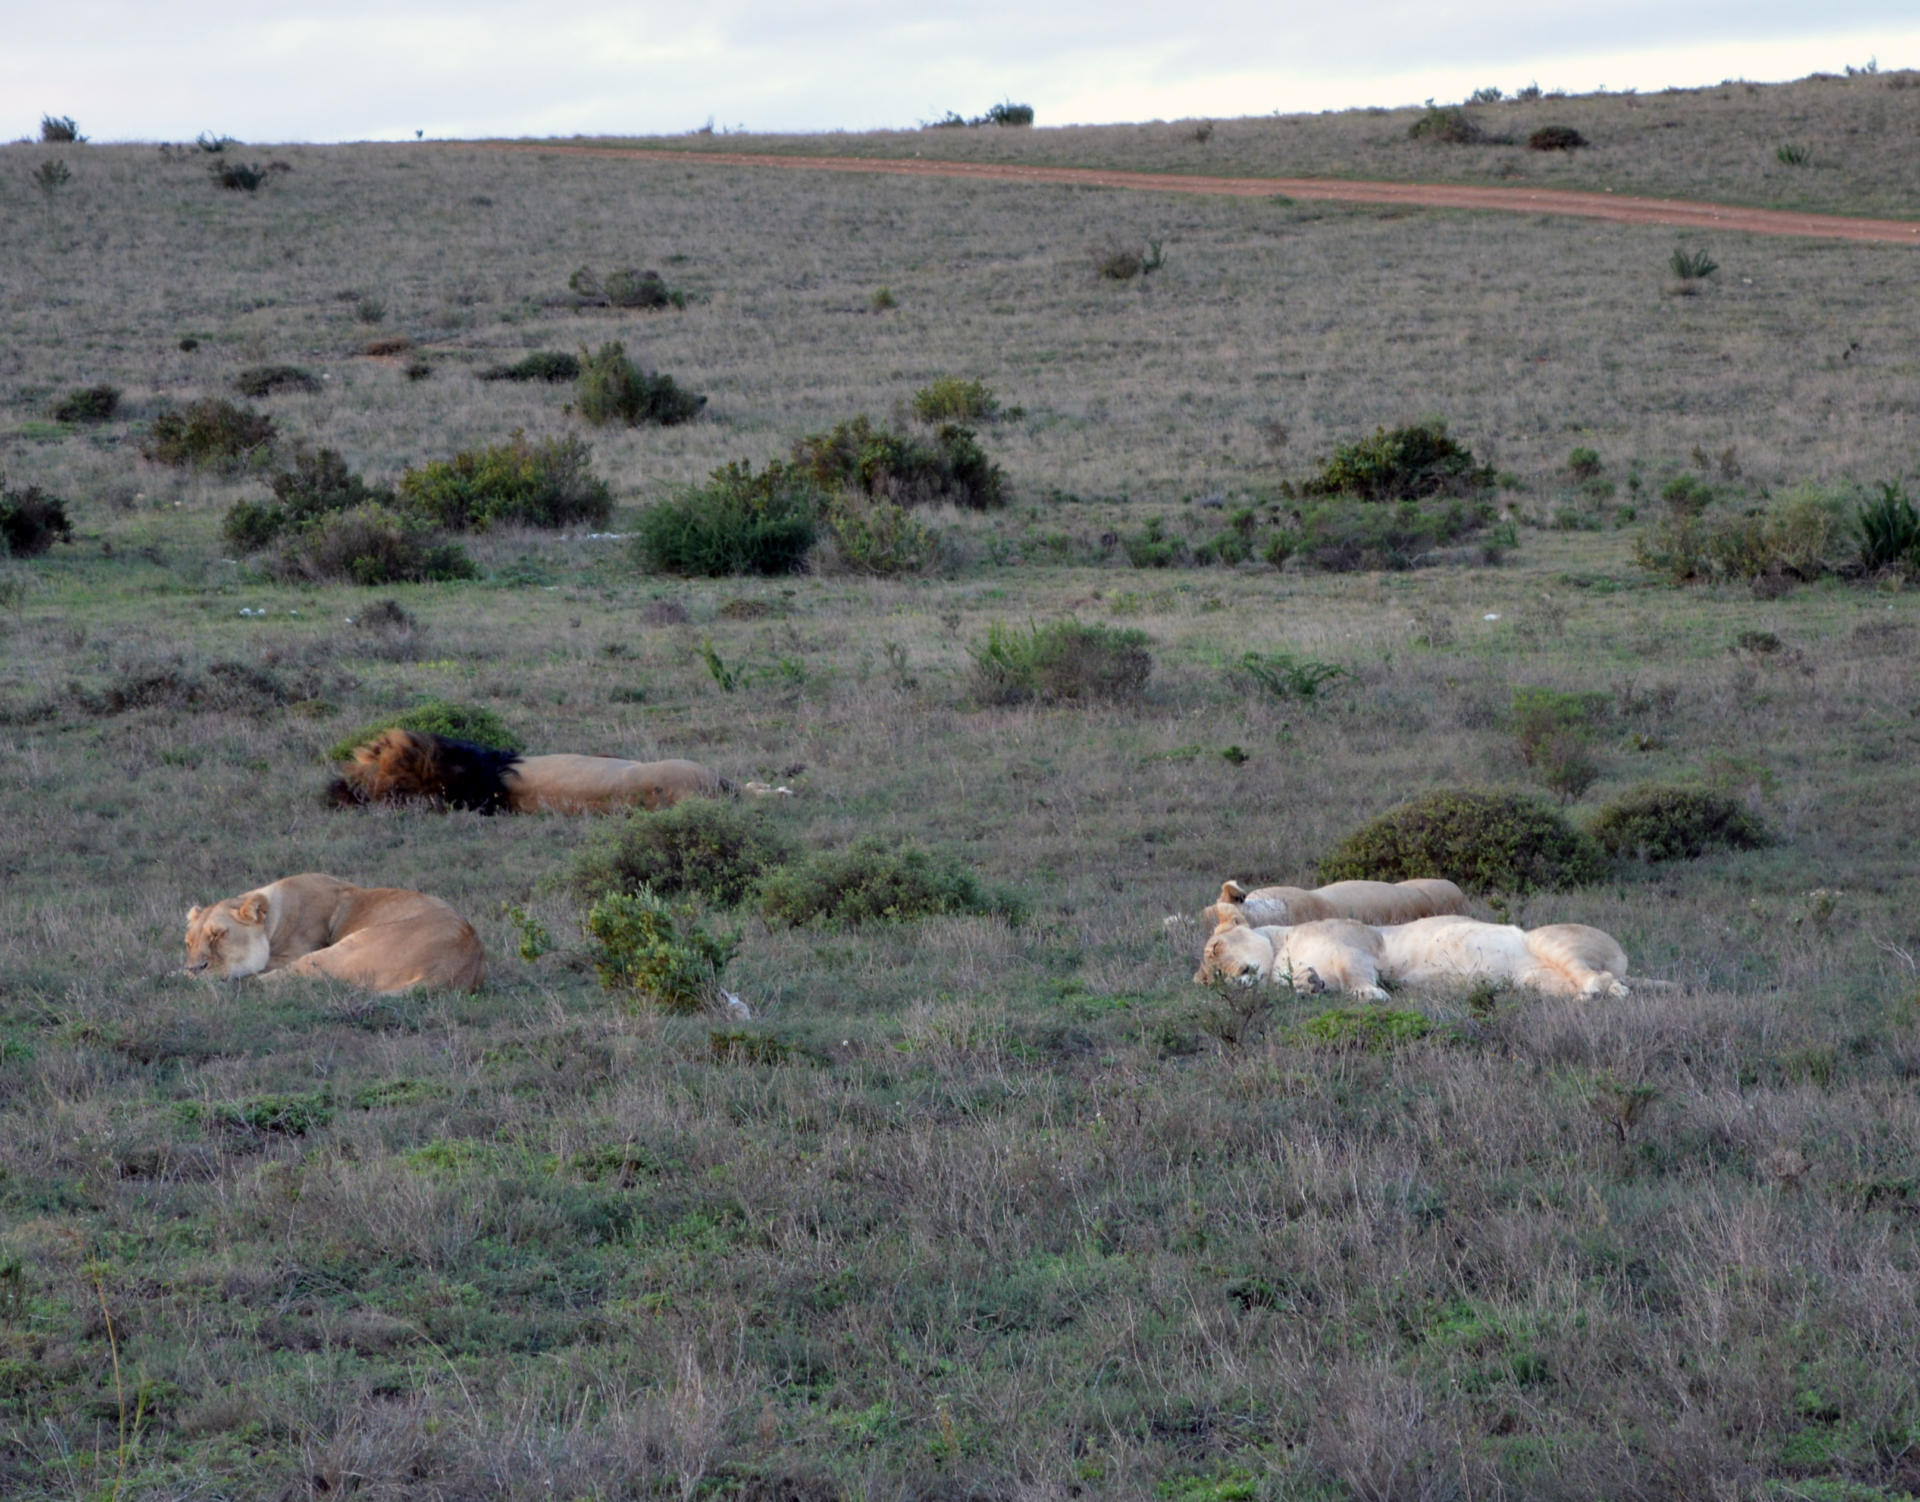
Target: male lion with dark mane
x,y
401,765
379,938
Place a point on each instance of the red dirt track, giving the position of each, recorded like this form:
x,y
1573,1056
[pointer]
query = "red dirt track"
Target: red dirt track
x,y
1618,208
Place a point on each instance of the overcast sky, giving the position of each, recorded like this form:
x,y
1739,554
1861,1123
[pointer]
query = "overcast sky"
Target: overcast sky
x,y
333,70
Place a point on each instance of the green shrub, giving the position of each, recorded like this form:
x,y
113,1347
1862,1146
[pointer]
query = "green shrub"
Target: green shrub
x,y
548,484
209,434
50,177
316,485
264,380
552,366
1339,536
1556,138
1486,842
459,722
1448,123
1804,535
1152,548
871,882
1284,676
611,388
1692,265
1009,113
737,523
950,399
1059,661
626,288
877,537
370,545
1792,154
1374,1029
1584,463
237,177
646,953
1889,530
901,467
88,404
1540,714
711,849
1687,495
31,521
1410,463
59,130
1656,823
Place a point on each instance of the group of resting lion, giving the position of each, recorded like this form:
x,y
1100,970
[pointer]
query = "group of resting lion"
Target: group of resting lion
x,y
387,938
1353,935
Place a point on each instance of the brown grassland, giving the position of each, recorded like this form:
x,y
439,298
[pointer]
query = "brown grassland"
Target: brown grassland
x,y
973,1207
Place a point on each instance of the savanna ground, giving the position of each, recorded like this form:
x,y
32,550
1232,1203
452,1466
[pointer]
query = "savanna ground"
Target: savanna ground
x,y
1024,1212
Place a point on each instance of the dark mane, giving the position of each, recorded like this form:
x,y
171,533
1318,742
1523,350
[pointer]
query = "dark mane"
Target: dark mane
x,y
402,765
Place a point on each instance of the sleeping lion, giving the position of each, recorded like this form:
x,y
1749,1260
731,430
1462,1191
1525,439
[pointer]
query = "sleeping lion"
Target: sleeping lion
x,y
379,938
399,765
1562,959
1364,901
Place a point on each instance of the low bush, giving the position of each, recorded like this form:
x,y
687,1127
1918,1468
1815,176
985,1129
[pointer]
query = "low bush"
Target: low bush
x,y
737,523
1889,531
625,288
1152,548
611,388
1339,536
877,537
1792,154
872,882
552,366
264,380
1009,113
31,521
370,545
1584,463
1556,138
1062,660
459,722
951,399
1554,732
1447,123
209,434
1486,842
1281,675
547,484
1687,495
1803,535
237,177
1692,265
1402,464
645,952
88,404
59,130
1123,262
703,847
1658,823
1373,1029
903,468
317,484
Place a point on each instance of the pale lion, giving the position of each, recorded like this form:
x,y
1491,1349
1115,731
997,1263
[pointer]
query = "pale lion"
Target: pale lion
x,y
1562,959
379,938
1373,902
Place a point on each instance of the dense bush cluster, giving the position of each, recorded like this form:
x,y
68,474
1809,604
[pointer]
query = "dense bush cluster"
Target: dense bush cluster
x,y
209,434
625,288
516,483
739,522
646,952
1447,123
1062,660
32,521
1803,535
714,850
1657,823
264,380
1556,138
909,470
549,365
1487,842
1402,464
952,399
872,882
1341,536
611,388
877,537
88,404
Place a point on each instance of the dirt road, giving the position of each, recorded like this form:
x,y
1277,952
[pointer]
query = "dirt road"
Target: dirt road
x,y
1619,208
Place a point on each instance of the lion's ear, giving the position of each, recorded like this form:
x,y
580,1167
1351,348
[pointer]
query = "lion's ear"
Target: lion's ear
x,y
193,915
1232,891
252,908
1230,917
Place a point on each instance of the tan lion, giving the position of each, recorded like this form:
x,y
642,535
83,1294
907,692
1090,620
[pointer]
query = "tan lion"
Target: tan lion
x,y
1562,959
379,938
1373,902
400,765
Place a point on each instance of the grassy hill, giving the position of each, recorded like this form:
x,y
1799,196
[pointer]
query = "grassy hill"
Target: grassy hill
x,y
976,1205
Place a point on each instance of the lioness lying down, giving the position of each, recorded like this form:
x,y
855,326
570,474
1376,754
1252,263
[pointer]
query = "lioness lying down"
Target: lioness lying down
x,y
1562,959
398,765
1364,901
381,938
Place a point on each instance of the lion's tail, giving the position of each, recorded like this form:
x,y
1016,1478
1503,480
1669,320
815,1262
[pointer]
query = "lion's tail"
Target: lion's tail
x,y
398,766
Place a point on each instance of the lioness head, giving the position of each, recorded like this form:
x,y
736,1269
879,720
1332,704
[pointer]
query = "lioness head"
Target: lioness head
x,y
1236,952
229,939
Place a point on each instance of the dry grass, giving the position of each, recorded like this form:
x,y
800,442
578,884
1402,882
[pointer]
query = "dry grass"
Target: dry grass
x,y
1023,1213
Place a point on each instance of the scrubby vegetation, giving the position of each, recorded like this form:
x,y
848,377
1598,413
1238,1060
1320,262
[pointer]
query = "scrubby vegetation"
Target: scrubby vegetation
x,y
611,388
1484,841
877,537
873,882
1449,124
625,288
1889,529
1661,823
714,850
59,130
474,723
1556,138
31,521
209,434
316,484
950,467
88,404
259,381
370,545
955,399
1405,464
549,365
1805,534
648,954
516,483
739,522
1061,660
